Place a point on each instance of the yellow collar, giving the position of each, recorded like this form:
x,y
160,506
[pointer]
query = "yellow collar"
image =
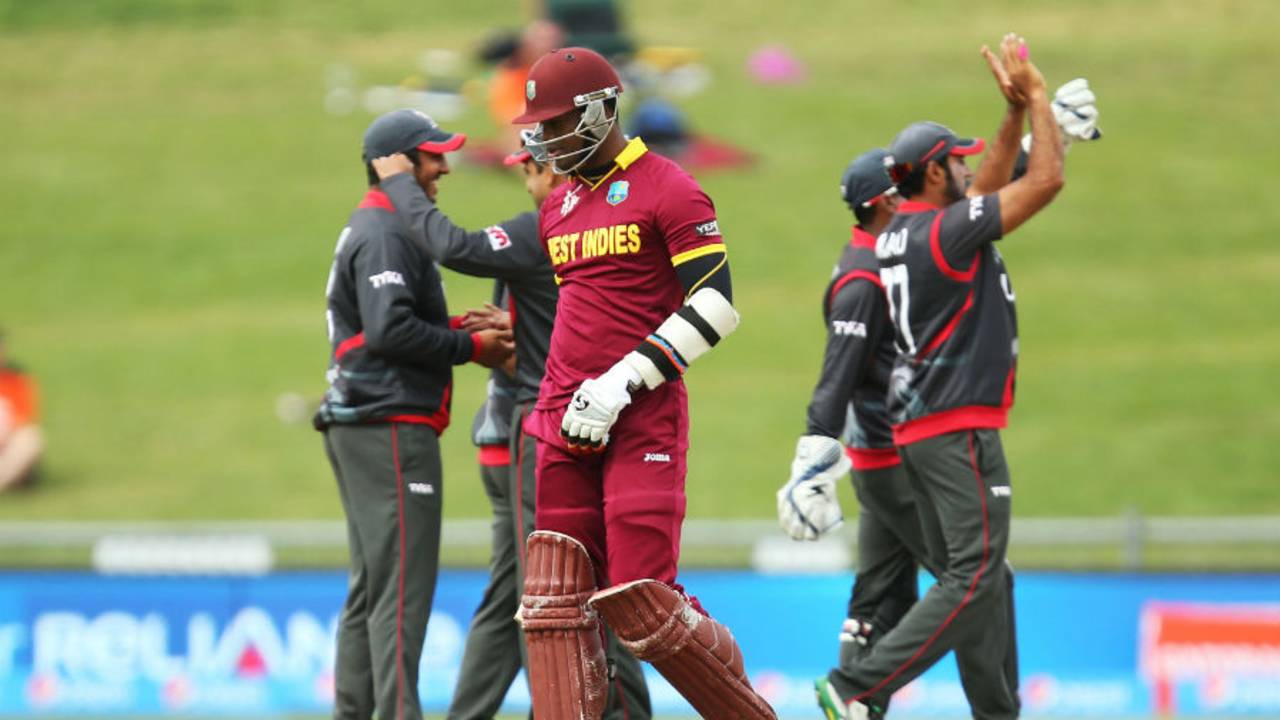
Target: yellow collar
x,y
632,152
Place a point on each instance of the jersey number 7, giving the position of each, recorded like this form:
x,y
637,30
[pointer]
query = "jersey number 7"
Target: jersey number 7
x,y
897,289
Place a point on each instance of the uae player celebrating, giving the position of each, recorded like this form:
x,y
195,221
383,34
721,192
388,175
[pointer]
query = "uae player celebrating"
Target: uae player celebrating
x,y
644,292
951,307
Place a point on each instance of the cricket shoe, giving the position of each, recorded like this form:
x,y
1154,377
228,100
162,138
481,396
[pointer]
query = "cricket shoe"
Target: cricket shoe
x,y
835,707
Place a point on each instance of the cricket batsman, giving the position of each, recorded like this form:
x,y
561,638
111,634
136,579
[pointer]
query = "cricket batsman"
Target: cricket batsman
x,y
644,292
512,253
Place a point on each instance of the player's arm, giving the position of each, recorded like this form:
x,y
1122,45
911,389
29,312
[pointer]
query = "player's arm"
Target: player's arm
x,y
1027,195
807,503
1076,111
705,267
854,326
997,165
688,225
504,250
690,332
1002,152
385,273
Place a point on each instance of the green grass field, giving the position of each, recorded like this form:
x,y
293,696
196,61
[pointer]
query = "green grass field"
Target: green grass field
x,y
173,189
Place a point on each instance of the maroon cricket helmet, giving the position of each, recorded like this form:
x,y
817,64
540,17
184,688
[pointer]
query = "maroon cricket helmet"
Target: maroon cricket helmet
x,y
566,79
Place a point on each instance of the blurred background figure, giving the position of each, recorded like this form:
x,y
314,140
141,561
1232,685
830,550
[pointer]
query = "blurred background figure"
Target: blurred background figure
x,y
512,53
595,24
665,129
506,89
775,65
657,76
21,444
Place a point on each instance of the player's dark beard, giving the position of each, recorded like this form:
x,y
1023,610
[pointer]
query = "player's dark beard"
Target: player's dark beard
x,y
955,193
593,174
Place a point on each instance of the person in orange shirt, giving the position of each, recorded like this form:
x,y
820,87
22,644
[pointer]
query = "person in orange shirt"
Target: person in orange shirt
x,y
507,87
21,443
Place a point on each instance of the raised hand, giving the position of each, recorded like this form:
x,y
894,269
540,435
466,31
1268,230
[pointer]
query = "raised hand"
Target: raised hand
x,y
1001,75
389,165
1023,74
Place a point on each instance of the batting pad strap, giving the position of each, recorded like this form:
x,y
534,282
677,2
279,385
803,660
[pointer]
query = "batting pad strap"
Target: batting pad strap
x,y
684,337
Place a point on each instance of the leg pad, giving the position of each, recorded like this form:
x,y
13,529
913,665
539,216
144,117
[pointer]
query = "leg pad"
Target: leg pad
x,y
696,654
568,675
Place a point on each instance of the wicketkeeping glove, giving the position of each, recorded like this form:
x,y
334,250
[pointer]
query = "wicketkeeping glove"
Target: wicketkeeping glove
x,y
1076,110
807,504
595,407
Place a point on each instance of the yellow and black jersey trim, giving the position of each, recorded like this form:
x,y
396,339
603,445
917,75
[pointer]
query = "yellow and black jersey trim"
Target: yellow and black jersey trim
x,y
701,266
687,255
632,152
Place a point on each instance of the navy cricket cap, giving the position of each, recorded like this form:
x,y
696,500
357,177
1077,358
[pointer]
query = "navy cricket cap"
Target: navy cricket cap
x,y
922,142
402,130
866,179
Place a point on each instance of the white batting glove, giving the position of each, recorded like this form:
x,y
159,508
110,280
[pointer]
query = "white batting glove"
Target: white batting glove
x,y
807,504
1076,110
595,407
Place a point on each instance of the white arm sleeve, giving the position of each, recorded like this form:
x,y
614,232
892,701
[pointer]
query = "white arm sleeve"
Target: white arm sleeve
x,y
683,337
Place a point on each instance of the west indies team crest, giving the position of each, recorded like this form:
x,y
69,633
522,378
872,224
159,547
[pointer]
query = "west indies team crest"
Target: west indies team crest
x,y
618,192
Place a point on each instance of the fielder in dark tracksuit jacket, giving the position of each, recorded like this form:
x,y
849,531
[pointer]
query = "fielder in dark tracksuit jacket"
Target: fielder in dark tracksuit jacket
x,y
393,350
388,400
850,401
508,251
853,389
512,253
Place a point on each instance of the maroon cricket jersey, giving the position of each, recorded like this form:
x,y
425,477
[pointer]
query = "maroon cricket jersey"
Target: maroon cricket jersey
x,y
953,316
614,245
